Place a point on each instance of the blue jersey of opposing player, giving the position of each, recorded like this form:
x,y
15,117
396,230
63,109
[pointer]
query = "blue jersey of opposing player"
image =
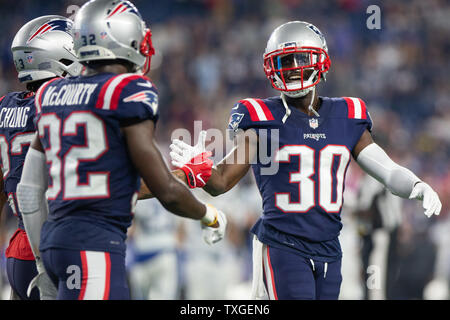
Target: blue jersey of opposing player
x,y
17,112
303,197
93,185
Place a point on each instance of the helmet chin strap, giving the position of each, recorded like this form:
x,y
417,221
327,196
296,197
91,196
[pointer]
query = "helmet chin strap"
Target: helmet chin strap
x,y
288,111
310,107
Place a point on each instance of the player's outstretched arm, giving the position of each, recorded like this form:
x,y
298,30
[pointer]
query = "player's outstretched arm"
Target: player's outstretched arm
x,y
146,193
172,194
397,179
229,171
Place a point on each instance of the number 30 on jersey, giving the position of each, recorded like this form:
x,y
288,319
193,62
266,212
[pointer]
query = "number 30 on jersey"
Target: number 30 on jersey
x,y
327,178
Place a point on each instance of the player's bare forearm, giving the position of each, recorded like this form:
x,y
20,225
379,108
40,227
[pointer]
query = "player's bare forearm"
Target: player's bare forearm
x,y
172,194
224,177
145,192
234,166
364,141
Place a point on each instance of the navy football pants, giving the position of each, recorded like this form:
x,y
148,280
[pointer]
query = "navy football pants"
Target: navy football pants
x,y
87,275
20,273
289,276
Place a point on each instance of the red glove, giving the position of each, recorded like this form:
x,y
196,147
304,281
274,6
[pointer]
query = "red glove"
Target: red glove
x,y
198,170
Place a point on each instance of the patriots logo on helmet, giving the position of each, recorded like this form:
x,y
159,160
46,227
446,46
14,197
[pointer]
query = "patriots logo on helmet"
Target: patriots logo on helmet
x,y
235,119
317,31
53,25
148,97
122,7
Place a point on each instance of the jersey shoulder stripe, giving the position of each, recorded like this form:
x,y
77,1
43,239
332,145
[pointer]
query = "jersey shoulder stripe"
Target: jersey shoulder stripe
x,y
1,98
356,108
257,109
108,98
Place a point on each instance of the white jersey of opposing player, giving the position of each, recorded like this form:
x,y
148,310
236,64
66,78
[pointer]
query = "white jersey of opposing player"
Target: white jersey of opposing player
x,y
155,227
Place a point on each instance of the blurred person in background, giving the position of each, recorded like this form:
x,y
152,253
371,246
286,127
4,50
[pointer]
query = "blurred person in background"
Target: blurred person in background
x,y
379,215
152,244
230,256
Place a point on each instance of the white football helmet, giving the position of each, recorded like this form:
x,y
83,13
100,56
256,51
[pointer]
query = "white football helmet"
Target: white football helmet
x,y
43,48
296,58
112,30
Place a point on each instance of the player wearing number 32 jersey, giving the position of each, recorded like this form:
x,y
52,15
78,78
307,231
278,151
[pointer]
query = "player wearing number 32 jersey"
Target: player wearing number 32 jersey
x,y
296,250
95,141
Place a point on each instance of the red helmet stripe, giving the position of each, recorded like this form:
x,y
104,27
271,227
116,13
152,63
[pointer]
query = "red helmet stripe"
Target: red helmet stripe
x,y
115,10
38,32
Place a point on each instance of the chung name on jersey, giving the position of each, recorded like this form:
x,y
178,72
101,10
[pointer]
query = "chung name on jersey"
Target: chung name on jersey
x,y
14,117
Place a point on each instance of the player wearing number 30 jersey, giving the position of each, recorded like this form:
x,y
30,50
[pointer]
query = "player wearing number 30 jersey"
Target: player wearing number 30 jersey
x,y
296,252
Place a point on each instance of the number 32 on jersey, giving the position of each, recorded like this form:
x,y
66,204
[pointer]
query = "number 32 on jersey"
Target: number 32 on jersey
x,y
327,177
94,147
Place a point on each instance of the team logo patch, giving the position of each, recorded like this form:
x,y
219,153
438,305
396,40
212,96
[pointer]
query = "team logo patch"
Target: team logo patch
x,y
103,34
147,97
235,119
123,7
313,123
53,25
30,59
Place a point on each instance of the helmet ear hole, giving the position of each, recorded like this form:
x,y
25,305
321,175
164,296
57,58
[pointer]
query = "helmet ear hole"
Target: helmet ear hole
x,y
66,62
134,45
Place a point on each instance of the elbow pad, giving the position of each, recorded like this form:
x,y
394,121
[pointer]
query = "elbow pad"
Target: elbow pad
x,y
31,196
33,183
397,179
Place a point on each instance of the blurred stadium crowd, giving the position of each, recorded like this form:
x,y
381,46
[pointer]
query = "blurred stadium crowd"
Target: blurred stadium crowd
x,y
209,55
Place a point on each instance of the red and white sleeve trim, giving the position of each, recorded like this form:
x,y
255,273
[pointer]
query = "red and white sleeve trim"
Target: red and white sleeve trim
x,y
356,108
108,98
38,97
257,109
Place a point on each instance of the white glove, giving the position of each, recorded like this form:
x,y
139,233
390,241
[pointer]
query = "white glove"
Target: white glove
x,y
212,235
47,289
430,198
181,153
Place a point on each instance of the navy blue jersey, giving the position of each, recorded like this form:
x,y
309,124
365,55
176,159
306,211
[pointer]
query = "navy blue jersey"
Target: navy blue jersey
x,y
93,185
302,181
17,112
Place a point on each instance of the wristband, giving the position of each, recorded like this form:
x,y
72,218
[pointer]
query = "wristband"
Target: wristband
x,y
189,176
210,217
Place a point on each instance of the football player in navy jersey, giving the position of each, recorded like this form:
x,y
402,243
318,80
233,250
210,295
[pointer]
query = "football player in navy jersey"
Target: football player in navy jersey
x,y
95,139
42,49
296,250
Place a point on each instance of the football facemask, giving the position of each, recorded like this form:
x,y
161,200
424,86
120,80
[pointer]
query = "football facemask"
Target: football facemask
x,y
296,68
